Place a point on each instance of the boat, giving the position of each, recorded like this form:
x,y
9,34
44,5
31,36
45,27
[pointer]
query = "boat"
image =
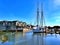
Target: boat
x,y
39,29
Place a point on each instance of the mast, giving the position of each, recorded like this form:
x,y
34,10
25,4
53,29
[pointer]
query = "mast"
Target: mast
x,y
41,21
37,13
42,16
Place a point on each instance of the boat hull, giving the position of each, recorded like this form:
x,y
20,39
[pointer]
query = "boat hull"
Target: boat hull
x,y
38,31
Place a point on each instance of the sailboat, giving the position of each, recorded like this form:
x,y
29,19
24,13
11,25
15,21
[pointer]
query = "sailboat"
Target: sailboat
x,y
39,29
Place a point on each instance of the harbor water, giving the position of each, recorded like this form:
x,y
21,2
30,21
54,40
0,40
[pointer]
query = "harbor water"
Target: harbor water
x,y
29,38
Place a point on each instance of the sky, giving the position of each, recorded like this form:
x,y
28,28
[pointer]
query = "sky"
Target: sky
x,y
25,10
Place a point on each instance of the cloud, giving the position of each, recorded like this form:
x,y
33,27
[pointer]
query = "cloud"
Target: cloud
x,y
57,19
56,2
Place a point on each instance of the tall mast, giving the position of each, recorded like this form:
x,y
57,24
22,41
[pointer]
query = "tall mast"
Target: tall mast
x,y
41,22
37,13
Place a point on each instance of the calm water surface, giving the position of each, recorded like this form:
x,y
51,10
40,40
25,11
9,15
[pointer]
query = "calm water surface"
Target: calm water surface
x,y
29,38
11,38
37,39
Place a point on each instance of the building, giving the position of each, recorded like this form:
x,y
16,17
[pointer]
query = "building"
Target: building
x,y
11,25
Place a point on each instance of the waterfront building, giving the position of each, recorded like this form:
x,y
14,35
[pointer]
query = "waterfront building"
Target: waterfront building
x,y
11,25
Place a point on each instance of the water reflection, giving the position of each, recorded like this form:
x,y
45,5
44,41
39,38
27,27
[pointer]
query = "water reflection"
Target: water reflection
x,y
39,39
53,39
7,38
30,38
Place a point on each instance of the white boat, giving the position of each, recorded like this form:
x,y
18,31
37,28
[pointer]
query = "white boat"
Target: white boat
x,y
39,29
